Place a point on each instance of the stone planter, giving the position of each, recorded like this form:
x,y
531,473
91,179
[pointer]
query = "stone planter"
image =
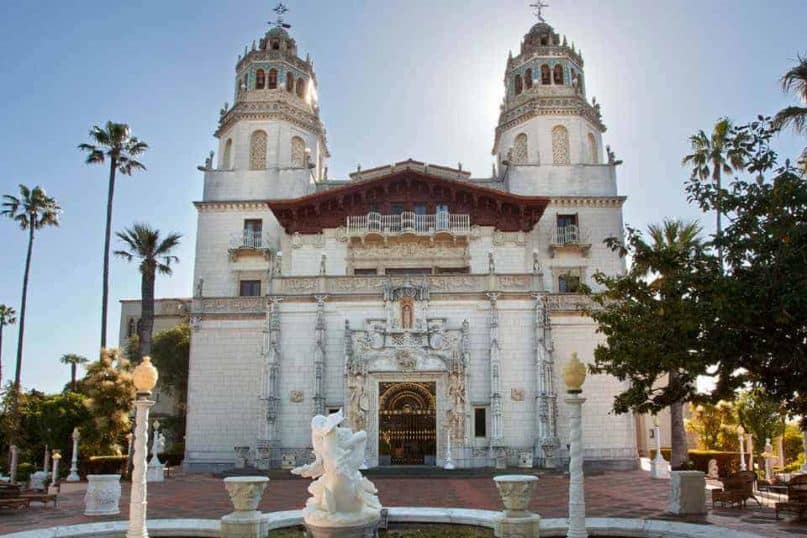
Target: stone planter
x,y
516,521
687,492
103,495
245,494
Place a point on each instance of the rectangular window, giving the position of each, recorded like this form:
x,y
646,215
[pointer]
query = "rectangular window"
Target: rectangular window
x,y
452,270
420,209
253,225
568,283
408,271
365,272
250,288
396,208
566,220
480,422
252,233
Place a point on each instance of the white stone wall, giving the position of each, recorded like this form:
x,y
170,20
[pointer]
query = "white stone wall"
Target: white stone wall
x,y
539,139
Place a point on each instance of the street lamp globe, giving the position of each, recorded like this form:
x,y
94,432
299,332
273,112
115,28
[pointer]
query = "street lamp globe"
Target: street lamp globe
x,y
145,376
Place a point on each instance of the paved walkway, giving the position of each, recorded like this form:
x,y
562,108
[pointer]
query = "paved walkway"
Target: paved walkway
x,y
616,494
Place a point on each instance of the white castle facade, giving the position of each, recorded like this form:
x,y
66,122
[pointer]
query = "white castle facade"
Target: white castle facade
x,y
432,306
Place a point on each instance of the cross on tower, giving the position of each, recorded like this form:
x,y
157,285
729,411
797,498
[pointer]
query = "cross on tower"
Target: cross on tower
x,y
539,6
280,10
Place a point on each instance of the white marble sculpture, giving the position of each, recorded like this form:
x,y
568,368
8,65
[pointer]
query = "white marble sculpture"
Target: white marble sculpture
x,y
340,495
714,470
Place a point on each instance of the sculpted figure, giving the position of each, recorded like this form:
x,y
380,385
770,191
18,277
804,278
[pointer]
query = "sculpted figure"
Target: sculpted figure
x,y
340,495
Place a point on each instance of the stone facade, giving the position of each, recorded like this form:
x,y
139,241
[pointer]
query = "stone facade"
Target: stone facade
x,y
470,316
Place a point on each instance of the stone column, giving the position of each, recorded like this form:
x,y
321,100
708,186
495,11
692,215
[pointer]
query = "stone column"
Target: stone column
x,y
449,463
804,445
271,372
658,467
780,451
749,445
46,459
574,375
73,476
741,439
319,356
54,477
547,443
495,380
12,473
145,378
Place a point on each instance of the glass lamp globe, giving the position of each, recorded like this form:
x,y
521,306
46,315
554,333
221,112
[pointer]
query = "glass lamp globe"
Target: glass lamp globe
x,y
145,376
574,374
740,430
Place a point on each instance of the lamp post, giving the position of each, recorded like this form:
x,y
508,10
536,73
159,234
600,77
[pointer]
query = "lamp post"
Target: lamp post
x,y
54,477
741,438
658,467
73,476
574,374
145,378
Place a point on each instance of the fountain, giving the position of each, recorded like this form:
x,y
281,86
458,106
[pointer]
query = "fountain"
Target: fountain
x,y
343,503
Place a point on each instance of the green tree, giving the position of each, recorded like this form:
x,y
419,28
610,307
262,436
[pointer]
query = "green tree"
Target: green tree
x,y
73,360
711,157
55,417
760,415
170,353
154,254
110,391
32,210
114,143
651,319
795,81
714,424
8,316
760,321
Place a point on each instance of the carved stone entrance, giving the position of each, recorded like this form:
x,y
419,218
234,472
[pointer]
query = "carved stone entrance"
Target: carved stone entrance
x,y
407,423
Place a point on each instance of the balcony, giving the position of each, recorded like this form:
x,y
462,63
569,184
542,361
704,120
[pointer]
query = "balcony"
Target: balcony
x,y
570,238
408,223
249,243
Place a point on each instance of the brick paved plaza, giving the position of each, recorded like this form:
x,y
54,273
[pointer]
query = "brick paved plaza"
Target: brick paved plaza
x,y
623,494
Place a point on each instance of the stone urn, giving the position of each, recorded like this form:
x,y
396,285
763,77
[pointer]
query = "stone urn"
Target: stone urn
x,y
103,495
516,521
516,492
245,494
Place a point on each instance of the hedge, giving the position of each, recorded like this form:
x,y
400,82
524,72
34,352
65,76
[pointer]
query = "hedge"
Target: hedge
x,y
105,465
727,462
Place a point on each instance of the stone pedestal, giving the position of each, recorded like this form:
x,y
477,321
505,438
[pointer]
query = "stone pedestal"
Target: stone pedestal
x,y
245,494
155,473
367,530
103,495
659,467
73,476
516,521
687,492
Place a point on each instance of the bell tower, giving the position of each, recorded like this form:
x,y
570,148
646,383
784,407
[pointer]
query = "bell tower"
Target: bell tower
x,y
549,137
271,140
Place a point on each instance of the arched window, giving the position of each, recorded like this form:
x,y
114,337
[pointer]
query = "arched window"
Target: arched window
x,y
519,149
558,74
592,148
545,74
227,155
272,78
560,145
517,85
260,79
275,44
289,82
528,78
131,328
257,151
297,152
300,87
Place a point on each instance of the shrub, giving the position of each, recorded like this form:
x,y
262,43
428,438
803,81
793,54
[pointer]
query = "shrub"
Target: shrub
x,y
24,471
727,462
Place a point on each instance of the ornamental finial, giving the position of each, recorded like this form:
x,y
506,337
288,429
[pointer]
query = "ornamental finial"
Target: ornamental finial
x,y
539,6
280,10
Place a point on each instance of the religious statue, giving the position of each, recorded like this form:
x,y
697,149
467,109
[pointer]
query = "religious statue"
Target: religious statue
x,y
340,495
359,402
491,263
536,263
200,284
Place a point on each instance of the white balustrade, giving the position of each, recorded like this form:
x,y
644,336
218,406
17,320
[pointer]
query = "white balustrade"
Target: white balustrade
x,y
248,239
408,222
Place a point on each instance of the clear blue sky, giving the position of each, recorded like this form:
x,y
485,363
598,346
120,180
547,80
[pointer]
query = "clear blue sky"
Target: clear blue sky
x,y
397,79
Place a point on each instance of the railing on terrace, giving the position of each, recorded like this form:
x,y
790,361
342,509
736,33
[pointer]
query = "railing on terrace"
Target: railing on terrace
x,y
248,239
571,234
409,222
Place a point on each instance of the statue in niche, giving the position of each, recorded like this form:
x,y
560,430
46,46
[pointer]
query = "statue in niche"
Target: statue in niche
x,y
457,397
359,403
407,313
340,495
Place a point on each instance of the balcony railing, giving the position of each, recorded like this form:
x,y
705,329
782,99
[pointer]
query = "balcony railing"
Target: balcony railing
x,y
570,236
409,222
247,239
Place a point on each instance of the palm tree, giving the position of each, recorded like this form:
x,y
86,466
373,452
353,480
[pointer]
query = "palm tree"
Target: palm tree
x,y
7,317
73,360
144,243
673,241
711,157
115,143
33,210
795,81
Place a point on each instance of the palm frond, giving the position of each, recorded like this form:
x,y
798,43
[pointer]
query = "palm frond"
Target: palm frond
x,y
795,80
795,116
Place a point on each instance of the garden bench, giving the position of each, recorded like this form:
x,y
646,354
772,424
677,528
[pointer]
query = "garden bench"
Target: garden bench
x,y
737,489
15,502
796,502
44,498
